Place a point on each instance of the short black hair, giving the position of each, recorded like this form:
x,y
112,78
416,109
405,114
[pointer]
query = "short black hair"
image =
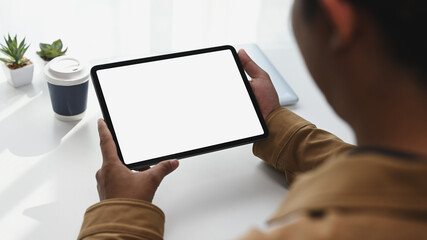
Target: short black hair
x,y
403,25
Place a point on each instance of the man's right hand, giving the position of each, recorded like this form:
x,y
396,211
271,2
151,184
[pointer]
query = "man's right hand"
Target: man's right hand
x,y
261,84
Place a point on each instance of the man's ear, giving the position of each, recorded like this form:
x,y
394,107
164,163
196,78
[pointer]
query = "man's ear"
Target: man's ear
x,y
342,16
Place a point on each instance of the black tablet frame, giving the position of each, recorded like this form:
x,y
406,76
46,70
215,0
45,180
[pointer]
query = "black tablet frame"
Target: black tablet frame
x,y
185,154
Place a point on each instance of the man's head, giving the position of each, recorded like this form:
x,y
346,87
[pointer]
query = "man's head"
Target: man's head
x,y
400,22
367,57
353,47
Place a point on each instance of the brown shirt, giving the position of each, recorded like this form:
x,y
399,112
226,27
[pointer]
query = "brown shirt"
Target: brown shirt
x,y
345,193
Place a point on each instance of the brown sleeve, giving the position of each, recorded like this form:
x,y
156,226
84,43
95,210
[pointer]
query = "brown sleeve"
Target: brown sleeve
x,y
348,225
296,145
122,219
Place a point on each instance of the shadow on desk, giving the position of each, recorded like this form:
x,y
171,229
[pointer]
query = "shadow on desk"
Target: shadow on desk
x,y
9,95
274,174
28,126
59,186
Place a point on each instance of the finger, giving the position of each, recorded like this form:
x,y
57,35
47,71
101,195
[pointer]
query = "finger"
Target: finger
x,y
164,168
108,147
250,66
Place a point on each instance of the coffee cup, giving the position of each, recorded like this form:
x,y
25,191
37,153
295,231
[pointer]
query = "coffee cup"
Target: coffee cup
x,y
68,81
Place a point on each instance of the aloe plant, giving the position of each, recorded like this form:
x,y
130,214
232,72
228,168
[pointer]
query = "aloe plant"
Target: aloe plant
x,y
15,52
51,51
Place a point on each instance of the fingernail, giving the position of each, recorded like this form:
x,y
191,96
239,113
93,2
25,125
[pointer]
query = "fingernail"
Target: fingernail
x,y
174,164
99,121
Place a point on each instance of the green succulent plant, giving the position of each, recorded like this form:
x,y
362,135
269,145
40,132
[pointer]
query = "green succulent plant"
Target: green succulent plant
x,y
15,52
51,51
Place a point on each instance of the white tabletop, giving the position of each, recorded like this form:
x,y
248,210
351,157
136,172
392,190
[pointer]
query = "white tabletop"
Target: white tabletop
x,y
47,167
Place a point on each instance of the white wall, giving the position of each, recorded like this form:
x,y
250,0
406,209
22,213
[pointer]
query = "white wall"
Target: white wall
x,y
99,29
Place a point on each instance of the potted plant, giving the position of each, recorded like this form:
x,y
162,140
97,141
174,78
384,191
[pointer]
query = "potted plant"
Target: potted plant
x,y
17,68
50,51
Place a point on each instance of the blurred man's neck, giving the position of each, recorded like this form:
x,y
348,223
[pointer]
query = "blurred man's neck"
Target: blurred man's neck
x,y
394,119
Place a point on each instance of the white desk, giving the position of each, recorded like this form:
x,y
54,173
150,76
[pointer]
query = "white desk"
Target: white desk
x,y
47,173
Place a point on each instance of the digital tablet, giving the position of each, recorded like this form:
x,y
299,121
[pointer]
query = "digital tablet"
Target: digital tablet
x,y
177,105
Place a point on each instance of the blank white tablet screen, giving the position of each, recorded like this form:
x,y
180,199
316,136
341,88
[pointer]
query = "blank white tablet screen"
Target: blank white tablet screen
x,y
175,105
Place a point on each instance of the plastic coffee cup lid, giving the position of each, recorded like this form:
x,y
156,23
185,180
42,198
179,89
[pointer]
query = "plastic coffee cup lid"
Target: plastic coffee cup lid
x,y
66,71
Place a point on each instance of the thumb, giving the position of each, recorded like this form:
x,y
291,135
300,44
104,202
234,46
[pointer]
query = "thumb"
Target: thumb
x,y
253,70
108,147
162,169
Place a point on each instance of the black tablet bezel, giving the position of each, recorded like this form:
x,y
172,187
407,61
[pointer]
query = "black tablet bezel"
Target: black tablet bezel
x,y
185,154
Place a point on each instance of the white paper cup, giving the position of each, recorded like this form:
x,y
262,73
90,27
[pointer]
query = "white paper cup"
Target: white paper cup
x,y
67,78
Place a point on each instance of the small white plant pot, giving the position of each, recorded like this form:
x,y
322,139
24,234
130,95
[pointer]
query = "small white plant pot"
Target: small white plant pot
x,y
20,76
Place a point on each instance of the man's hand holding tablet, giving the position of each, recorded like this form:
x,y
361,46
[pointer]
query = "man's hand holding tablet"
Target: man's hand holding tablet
x,y
261,84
